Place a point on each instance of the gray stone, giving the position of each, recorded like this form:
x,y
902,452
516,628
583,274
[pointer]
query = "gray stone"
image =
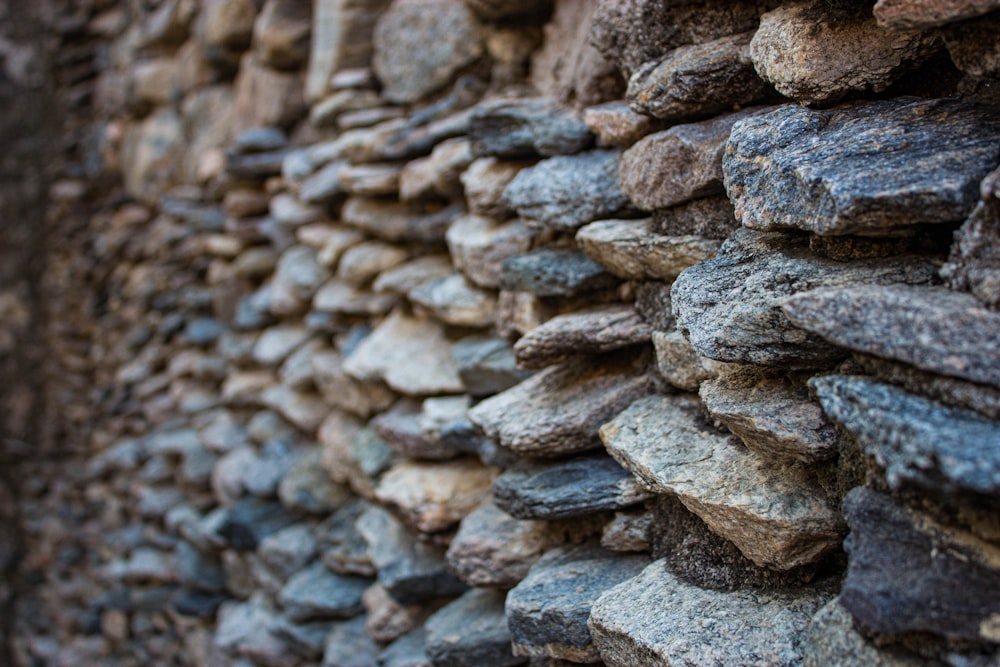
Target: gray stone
x,y
628,531
568,191
453,300
486,365
245,523
679,364
406,276
289,550
907,574
421,44
354,455
342,547
658,620
348,645
922,14
256,165
731,306
555,272
439,173
526,127
711,217
304,639
434,497
338,296
485,181
634,250
323,185
402,429
371,179
198,570
816,170
558,410
341,39
577,487
247,629
974,263
397,221
387,619
479,246
407,651
281,34
360,263
343,391
697,81
771,414
547,612
592,331
470,632
307,487
265,96
615,124
316,592
296,279
773,513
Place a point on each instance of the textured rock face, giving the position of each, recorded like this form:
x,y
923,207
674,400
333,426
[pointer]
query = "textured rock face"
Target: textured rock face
x,y
550,272
901,15
632,249
470,632
588,332
528,127
974,264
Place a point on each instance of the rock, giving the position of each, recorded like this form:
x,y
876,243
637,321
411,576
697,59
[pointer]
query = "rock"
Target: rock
x,y
151,154
479,246
935,329
906,574
360,263
256,262
772,414
341,297
371,179
615,124
558,410
354,455
454,301
228,23
711,217
421,44
266,97
343,391
526,127
256,165
773,513
323,185
342,548
731,306
628,531
972,47
281,34
315,592
634,250
566,192
555,272
396,221
547,612
411,355
289,550
493,10
246,522
348,645
198,570
296,279
592,331
304,639
247,629
276,343
486,365
307,487
658,620
437,174
409,570
974,264
406,276
923,14
387,619
154,82
260,140
485,181
407,651
304,409
435,496
341,39
679,364
821,167
697,81
471,631
577,487
942,451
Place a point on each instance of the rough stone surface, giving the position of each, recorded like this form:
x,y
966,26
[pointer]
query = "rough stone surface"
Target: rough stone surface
x,y
398,221
591,331
615,124
731,306
815,170
348,645
406,276
485,181
470,632
527,127
634,250
774,514
658,620
679,364
711,217
922,14
629,530
479,245
281,34
341,38
486,365
315,592
974,263
453,300
547,612
435,496
554,272
342,547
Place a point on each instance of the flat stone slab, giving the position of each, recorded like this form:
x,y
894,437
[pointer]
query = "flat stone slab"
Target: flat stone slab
x,y
558,410
679,364
906,574
486,365
435,496
526,127
600,329
658,620
974,262
615,124
316,592
636,250
731,306
775,514
818,170
577,487
934,329
941,450
923,14
479,245
454,300
547,612
471,632
555,272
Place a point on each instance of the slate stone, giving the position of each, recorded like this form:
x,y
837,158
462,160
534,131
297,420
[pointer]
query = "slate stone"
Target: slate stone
x,y
555,272
434,496
354,455
816,170
341,546
595,330
906,574
407,651
568,191
615,124
711,217
775,514
260,140
455,301
471,631
577,487
198,570
698,80
628,531
935,329
246,522
304,639
256,166
526,127
486,365
398,221
411,571
316,592
547,612
974,262
679,364
942,451
479,245
401,428
635,250
348,645
731,306
484,183
658,620
340,297
923,14
558,410
323,185
771,414
289,550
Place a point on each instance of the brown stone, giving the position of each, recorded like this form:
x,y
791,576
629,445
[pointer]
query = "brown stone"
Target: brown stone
x,y
435,496
633,250
923,14
596,330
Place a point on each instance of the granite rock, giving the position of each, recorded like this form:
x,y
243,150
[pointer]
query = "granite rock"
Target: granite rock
x,y
348,645
486,365
343,391
974,262
615,124
397,221
679,364
341,39
453,300
485,181
711,217
526,127
550,272
435,496
635,250
479,246
316,592
592,331
289,550
341,546
407,651
471,631
387,619
923,14
360,263
628,531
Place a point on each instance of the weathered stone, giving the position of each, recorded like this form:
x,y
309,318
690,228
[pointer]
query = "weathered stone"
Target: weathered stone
x,y
628,531
634,250
526,127
244,524
296,278
247,628
595,330
771,414
485,181
437,174
409,275
658,620
315,592
555,272
402,429
731,306
486,365
974,263
711,217
341,39
348,645
773,513
360,263
566,192
354,455
935,329
306,640
820,165
266,97
338,296
454,301
371,179
407,651
281,34
341,545
151,154
323,185
972,47
260,140
471,631
276,343
697,81
547,612
806,59
679,364
305,409
923,14
421,44
558,410
479,245
411,355
341,390
435,496
906,574
615,124
228,23
577,487
307,487
396,221
256,165
387,619
411,571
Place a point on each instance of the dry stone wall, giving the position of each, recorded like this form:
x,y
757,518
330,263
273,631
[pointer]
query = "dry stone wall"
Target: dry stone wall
x,y
429,332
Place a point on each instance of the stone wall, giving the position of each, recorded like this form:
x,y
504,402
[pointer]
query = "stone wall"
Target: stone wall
x,y
496,332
